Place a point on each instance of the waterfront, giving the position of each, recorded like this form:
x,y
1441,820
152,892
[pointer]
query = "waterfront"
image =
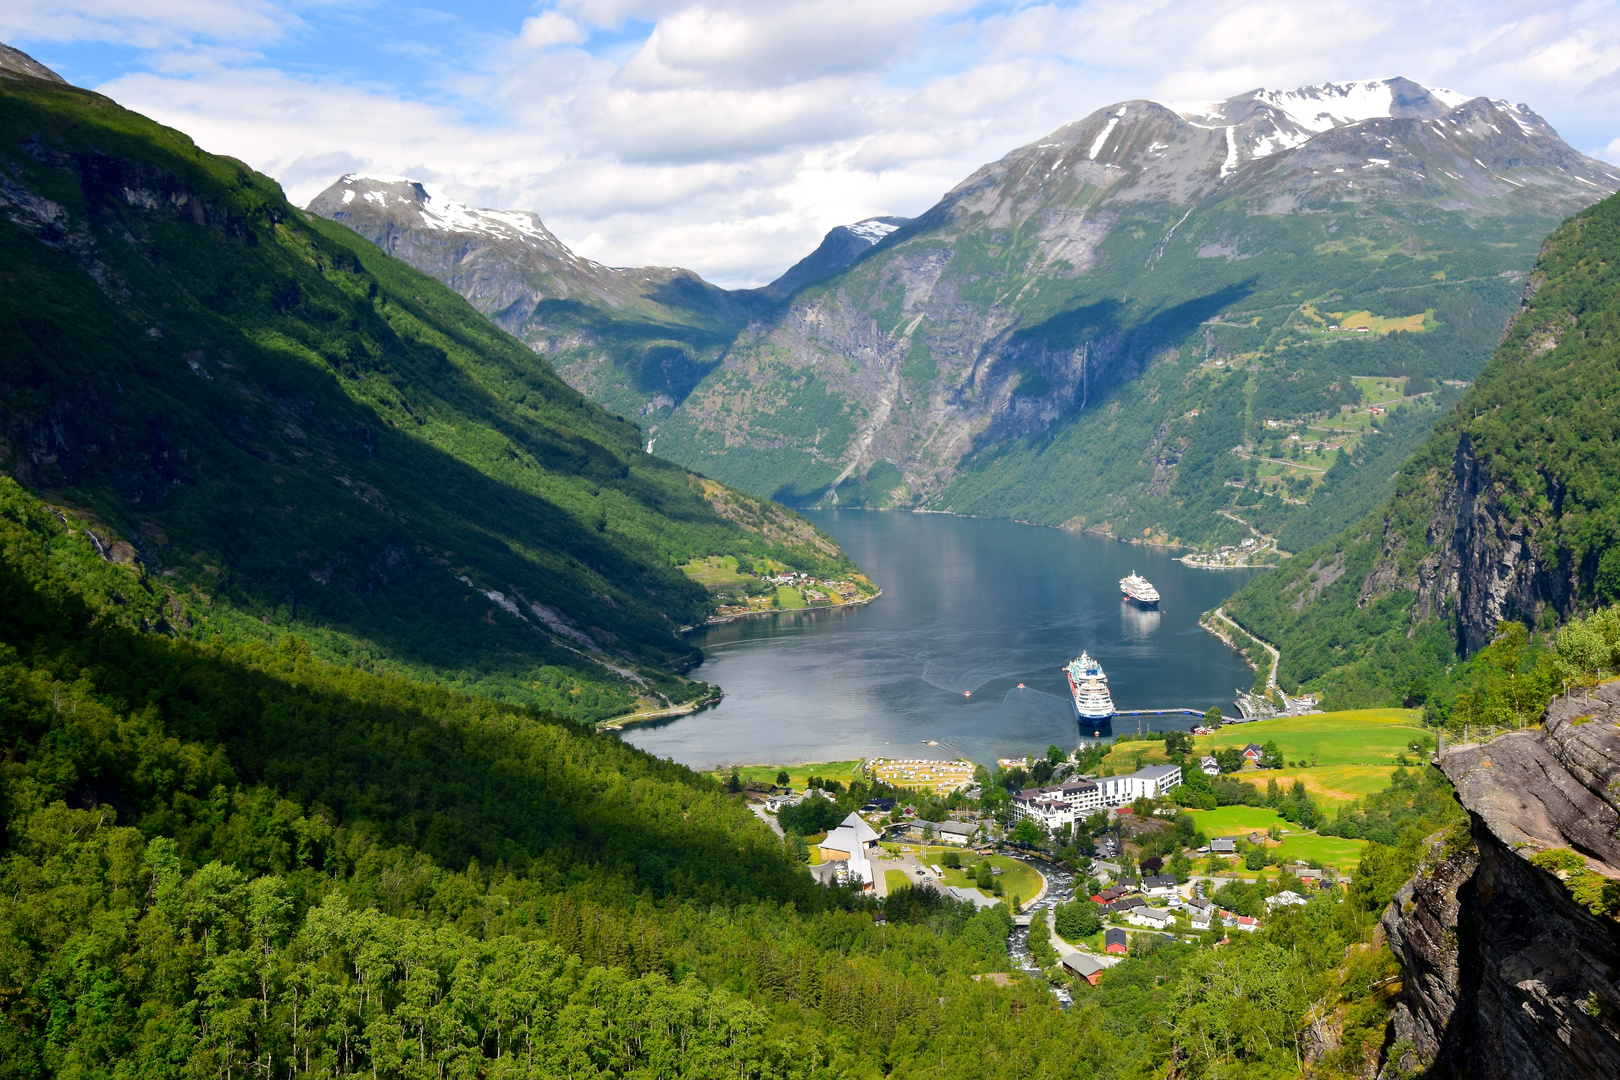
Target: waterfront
x,y
970,610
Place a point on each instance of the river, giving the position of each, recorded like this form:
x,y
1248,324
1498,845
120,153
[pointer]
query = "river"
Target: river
x,y
970,609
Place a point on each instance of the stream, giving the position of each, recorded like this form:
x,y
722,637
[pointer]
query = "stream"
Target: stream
x,y
1059,890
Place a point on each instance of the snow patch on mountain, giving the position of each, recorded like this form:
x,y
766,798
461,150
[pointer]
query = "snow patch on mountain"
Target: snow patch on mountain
x,y
439,211
871,230
1108,129
1313,108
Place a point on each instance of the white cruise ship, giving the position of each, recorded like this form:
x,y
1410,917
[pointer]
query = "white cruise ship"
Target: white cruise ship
x,y
1089,688
1140,589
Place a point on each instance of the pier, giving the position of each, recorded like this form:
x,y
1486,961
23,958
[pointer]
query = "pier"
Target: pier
x,y
1160,712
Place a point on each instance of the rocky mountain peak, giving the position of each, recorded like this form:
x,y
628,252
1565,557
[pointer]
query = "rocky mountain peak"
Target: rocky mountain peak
x,y
15,63
838,250
409,203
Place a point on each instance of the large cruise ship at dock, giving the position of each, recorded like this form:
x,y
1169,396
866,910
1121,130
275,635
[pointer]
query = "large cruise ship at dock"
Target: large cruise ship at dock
x,y
1139,589
1088,687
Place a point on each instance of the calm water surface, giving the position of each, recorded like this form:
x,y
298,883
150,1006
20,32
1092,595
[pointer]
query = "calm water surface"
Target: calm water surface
x,y
969,607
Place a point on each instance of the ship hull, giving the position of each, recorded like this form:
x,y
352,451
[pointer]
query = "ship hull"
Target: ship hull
x,y
1150,605
1085,714
1096,727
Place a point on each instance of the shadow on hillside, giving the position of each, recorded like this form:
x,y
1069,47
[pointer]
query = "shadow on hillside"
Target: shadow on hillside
x,y
397,762
1107,319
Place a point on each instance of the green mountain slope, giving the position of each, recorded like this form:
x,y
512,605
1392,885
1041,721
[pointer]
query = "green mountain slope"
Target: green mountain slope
x,y
218,860
285,428
627,337
1510,510
1083,332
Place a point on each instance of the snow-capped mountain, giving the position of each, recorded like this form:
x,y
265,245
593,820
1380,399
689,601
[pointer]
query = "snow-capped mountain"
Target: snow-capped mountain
x,y
838,250
1041,285
625,336
633,339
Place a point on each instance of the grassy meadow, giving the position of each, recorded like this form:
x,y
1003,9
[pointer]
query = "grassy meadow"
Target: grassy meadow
x,y
1364,737
842,771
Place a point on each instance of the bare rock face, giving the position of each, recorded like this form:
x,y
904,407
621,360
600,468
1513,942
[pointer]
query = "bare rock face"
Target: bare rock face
x,y
15,63
1507,973
1487,566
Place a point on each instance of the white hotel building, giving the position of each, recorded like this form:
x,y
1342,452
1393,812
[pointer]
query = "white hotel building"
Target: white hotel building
x,y
1052,807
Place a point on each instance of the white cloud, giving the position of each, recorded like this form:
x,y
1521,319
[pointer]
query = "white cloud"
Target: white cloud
x,y
147,24
731,134
550,28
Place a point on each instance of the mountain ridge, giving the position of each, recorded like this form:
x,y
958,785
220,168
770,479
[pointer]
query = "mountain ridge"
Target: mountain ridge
x,y
289,431
636,339
1054,276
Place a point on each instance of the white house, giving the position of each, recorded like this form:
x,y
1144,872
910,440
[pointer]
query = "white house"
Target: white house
x,y
1152,918
1286,898
777,802
1162,885
851,843
1209,765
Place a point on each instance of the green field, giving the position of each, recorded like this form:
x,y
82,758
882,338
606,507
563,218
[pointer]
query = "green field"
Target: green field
x,y
1358,737
1017,879
787,597
1236,820
842,771
716,572
1327,850
894,880
1296,843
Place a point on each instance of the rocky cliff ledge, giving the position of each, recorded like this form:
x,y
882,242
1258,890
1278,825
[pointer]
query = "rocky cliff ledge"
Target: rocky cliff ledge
x,y
1510,950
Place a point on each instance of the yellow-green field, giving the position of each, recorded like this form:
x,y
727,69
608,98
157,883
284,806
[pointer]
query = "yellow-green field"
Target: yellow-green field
x,y
1296,843
894,880
716,572
788,597
1356,737
1330,786
842,771
1378,324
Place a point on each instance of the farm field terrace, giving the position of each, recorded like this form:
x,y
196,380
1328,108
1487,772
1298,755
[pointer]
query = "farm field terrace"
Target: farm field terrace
x,y
1356,737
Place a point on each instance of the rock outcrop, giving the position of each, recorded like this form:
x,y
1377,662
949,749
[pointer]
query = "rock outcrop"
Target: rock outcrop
x,y
1507,973
1486,565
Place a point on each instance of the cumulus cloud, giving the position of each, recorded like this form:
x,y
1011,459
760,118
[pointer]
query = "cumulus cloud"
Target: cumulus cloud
x,y
728,135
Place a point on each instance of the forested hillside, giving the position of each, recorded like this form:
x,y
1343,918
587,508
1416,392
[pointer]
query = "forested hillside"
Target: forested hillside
x,y
1510,510
222,860
292,431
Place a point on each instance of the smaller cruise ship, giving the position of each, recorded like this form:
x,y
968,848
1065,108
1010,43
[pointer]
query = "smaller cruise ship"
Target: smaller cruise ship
x,y
1140,589
1088,687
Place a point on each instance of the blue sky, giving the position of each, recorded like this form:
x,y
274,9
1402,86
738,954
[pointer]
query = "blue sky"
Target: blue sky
x,y
728,135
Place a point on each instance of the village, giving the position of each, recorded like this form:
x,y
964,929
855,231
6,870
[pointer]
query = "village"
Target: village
x,y
741,588
1090,866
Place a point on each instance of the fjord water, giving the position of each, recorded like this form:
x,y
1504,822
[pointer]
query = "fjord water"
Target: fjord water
x,y
969,607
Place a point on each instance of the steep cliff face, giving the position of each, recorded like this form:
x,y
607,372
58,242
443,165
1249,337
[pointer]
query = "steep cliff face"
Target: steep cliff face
x,y
1509,510
1487,564
1509,970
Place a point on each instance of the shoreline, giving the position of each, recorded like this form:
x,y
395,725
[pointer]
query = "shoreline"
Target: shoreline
x,y
721,620
619,723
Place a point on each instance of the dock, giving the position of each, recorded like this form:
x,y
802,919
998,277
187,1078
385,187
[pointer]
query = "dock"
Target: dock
x,y
1160,712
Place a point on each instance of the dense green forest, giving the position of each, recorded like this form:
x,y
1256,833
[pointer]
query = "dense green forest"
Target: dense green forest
x,y
1514,491
295,432
223,858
